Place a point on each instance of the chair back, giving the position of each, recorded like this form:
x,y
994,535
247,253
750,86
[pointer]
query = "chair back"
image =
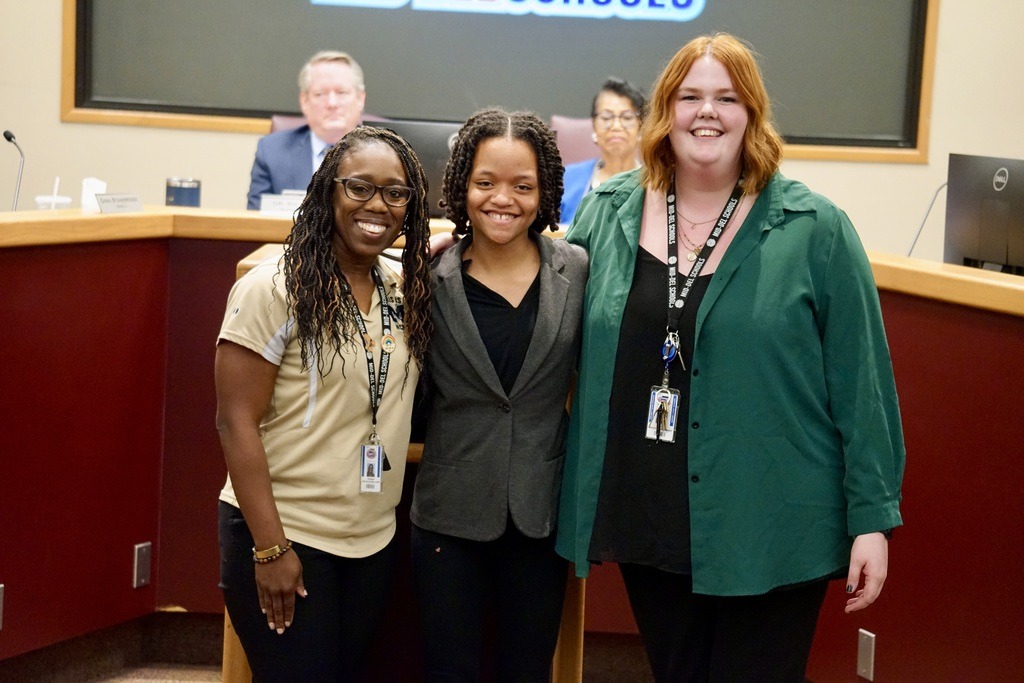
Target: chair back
x,y
285,122
575,141
289,121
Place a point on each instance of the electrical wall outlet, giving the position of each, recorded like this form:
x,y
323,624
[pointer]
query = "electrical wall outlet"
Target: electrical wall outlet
x,y
866,654
143,563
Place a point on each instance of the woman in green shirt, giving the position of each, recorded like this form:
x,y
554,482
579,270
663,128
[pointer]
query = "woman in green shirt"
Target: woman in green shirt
x,y
735,438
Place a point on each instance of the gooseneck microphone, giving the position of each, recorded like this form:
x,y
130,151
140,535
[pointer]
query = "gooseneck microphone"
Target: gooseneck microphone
x,y
925,219
9,136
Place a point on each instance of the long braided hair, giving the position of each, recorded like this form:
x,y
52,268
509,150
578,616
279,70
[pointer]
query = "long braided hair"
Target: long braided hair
x,y
317,291
498,123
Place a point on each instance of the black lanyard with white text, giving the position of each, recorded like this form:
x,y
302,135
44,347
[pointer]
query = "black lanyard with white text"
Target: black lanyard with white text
x,y
387,344
677,299
663,408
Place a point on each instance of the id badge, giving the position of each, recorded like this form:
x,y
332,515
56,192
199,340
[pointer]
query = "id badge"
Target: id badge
x,y
370,466
662,414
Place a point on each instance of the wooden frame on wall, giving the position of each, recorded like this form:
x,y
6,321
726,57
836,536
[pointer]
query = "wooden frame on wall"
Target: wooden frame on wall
x,y
72,54
71,113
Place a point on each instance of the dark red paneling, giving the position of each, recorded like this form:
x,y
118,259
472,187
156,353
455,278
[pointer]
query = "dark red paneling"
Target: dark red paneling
x,y
607,605
201,274
951,609
82,338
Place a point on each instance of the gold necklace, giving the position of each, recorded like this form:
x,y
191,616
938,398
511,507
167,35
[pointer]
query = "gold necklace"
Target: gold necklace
x,y
693,224
695,249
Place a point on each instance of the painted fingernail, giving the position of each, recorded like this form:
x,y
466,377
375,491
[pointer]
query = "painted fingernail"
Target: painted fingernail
x,y
271,625
287,624
849,588
280,631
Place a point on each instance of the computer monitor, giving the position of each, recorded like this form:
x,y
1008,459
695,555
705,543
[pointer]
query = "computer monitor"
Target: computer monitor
x,y
985,213
432,142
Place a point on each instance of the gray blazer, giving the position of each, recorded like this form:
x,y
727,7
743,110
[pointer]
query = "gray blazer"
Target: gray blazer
x,y
487,453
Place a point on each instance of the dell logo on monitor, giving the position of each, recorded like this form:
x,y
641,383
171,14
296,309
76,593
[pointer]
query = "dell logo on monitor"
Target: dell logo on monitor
x,y
1000,179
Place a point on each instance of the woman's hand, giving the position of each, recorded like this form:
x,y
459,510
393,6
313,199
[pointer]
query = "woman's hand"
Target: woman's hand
x,y
440,241
277,583
869,559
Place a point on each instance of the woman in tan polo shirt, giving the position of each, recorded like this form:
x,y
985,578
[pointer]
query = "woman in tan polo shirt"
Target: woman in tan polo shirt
x,y
317,363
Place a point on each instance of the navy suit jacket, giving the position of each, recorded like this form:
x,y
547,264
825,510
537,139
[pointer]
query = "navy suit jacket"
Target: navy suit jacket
x,y
284,161
488,454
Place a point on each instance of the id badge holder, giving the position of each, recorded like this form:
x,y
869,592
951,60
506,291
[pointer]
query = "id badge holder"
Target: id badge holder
x,y
662,413
371,465
663,409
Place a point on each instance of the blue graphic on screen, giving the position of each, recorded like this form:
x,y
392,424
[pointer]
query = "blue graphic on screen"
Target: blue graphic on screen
x,y
648,10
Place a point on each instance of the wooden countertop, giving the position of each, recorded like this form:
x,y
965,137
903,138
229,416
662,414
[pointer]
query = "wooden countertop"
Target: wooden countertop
x,y
940,281
949,283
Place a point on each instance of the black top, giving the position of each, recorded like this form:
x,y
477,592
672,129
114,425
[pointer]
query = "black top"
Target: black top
x,y
506,330
643,513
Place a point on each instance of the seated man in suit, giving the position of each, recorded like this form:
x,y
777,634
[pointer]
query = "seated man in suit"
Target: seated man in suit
x,y
331,95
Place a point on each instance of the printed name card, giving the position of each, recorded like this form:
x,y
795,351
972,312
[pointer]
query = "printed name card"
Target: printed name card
x,y
283,204
119,203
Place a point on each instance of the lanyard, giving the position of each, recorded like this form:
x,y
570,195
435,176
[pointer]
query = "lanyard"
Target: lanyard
x,y
677,297
387,346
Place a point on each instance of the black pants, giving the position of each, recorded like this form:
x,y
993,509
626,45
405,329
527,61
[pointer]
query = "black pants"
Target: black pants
x,y
333,627
692,637
458,582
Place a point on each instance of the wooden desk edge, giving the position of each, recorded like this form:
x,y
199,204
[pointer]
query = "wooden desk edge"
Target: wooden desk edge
x,y
982,289
999,292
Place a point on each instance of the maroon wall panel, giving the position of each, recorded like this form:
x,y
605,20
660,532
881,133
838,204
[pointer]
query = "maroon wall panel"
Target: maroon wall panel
x,y
201,275
82,338
952,605
607,607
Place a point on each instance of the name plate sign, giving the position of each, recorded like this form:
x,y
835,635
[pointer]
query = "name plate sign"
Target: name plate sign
x,y
119,203
283,204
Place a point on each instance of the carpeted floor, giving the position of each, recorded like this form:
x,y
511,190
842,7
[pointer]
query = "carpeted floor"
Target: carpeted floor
x,y
183,647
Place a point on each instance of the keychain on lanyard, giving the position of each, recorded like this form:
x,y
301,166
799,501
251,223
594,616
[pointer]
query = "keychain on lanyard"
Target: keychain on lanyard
x,y
663,409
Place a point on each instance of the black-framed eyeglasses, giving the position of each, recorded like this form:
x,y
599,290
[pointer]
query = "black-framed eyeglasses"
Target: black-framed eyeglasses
x,y
628,119
362,191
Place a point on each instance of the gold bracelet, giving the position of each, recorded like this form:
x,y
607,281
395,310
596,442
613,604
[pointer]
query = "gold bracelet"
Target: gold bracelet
x,y
270,554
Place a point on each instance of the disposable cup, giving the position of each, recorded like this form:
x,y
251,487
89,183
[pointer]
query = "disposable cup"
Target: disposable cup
x,y
47,201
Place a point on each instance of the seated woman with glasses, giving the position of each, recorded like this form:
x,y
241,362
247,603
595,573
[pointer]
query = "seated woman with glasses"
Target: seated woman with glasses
x,y
616,114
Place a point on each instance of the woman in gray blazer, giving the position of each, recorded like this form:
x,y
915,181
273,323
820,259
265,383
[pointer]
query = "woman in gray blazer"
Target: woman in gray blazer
x,y
506,315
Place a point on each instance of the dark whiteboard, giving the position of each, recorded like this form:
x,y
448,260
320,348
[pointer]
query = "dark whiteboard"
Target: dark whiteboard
x,y
838,72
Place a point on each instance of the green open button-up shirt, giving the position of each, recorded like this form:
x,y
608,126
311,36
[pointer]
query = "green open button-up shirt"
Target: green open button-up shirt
x,y
795,441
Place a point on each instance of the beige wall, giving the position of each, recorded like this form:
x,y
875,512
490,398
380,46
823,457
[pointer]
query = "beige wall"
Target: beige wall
x,y
977,108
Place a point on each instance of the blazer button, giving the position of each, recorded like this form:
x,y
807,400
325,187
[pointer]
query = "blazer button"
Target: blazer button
x,y
506,408
695,479
696,425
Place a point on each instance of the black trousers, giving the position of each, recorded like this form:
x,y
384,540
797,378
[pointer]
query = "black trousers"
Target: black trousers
x,y
459,583
333,627
692,637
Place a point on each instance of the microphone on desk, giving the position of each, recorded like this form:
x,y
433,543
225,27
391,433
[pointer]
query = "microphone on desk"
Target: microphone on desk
x,y
9,136
925,219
